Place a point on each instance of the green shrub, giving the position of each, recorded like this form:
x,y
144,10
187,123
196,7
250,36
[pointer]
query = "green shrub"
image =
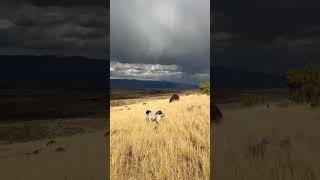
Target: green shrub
x,y
205,87
304,85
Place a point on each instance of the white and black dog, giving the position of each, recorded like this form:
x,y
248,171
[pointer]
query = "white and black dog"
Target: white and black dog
x,y
149,115
155,117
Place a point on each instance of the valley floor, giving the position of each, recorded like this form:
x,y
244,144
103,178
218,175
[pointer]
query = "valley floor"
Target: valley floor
x,y
279,142
78,157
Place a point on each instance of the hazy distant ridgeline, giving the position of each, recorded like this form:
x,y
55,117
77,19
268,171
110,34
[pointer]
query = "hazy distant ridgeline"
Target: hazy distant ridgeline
x,y
28,71
133,84
177,148
223,77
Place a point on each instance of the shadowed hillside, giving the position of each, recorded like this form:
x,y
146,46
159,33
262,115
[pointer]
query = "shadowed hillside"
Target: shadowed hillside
x,y
53,72
242,79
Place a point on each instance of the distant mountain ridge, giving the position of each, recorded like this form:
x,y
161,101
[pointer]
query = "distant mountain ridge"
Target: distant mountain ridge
x,y
147,84
47,71
225,77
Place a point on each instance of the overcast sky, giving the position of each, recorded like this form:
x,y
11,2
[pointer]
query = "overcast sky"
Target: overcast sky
x,y
160,40
270,36
64,27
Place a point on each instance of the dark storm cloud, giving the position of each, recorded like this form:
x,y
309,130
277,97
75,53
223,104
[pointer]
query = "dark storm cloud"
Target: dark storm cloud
x,y
63,3
265,20
265,35
69,3
163,32
54,27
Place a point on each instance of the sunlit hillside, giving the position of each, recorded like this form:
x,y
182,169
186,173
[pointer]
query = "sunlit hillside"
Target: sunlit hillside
x,y
176,148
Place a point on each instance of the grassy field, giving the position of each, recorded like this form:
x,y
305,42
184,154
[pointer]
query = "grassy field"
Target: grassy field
x,y
279,143
176,148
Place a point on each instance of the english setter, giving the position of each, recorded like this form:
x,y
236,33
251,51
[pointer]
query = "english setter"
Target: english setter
x,y
157,117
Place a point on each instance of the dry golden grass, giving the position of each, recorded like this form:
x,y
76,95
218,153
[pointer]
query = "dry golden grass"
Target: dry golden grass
x,y
279,143
176,148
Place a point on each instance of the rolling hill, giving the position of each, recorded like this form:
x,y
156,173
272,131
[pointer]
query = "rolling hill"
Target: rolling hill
x,y
142,84
28,71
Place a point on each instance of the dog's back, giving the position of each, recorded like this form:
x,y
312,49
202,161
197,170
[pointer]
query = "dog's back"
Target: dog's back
x,y
174,97
159,115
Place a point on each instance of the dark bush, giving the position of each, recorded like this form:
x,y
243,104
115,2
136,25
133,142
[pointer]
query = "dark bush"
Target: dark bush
x,y
174,97
304,85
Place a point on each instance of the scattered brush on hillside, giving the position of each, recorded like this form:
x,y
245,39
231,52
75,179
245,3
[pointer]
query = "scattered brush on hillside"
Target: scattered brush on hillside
x,y
304,85
254,100
176,148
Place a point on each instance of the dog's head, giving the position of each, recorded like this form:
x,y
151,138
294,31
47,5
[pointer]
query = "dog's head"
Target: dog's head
x,y
160,113
148,112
